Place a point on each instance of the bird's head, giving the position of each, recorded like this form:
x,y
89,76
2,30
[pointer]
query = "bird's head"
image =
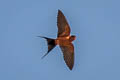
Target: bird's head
x,y
72,38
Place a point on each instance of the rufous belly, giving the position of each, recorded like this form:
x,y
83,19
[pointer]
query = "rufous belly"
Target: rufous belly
x,y
62,42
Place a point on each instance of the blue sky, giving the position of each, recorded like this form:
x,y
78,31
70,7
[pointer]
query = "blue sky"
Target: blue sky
x,y
96,23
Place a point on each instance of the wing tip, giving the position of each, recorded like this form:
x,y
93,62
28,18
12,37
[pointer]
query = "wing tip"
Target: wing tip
x,y
59,11
70,67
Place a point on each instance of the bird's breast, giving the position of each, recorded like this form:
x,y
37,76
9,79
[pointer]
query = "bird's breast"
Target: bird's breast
x,y
62,42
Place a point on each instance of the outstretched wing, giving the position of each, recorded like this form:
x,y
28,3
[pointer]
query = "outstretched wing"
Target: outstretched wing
x,y
63,26
68,53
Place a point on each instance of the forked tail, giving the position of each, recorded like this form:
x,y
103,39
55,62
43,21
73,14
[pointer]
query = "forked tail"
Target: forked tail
x,y
51,44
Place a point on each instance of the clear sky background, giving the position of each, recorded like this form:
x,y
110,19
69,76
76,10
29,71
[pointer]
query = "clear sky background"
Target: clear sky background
x,y
96,23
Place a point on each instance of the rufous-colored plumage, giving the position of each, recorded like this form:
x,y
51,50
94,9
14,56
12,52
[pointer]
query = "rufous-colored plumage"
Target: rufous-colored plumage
x,y
64,40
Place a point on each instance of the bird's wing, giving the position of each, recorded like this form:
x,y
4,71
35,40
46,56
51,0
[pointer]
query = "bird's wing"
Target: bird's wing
x,y
63,26
68,53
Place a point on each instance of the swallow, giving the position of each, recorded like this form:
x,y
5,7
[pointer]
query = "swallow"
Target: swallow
x,y
64,40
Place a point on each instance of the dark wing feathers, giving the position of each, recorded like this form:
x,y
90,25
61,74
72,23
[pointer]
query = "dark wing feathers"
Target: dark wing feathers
x,y
63,26
68,53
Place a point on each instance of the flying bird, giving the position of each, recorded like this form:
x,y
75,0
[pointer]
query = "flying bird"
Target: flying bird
x,y
64,40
